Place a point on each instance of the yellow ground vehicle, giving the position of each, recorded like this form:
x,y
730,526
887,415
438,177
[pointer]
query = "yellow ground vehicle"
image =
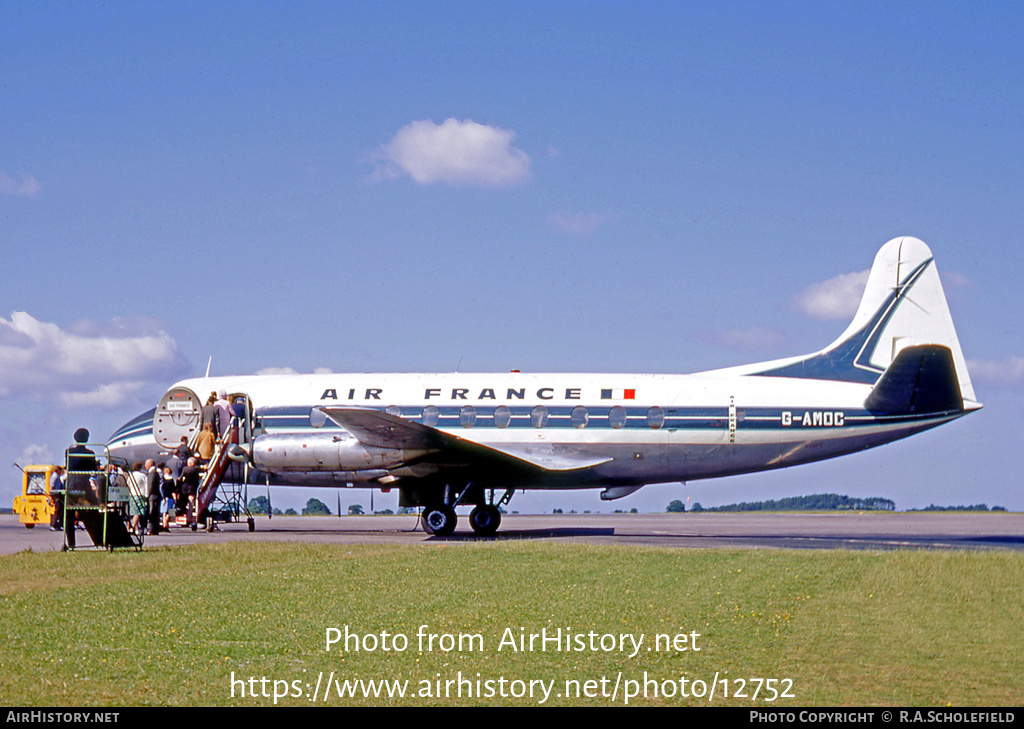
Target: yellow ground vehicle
x,y
35,505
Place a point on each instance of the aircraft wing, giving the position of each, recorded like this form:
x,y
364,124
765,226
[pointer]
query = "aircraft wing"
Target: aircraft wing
x,y
382,430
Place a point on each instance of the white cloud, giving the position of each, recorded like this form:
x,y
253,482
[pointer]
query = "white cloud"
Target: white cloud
x,y
954,280
456,153
277,371
577,223
291,371
754,339
1008,372
836,298
88,364
110,395
35,453
28,186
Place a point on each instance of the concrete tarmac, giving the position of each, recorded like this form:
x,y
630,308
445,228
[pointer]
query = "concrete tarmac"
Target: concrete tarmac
x,y
751,530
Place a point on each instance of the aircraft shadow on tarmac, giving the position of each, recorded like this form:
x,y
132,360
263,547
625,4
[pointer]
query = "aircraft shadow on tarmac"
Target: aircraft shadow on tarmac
x,y
515,534
1012,542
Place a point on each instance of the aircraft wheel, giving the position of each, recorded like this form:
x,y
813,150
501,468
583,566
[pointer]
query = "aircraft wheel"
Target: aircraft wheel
x,y
439,520
252,524
485,520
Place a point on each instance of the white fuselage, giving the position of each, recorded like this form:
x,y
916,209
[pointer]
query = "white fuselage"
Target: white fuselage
x,y
646,428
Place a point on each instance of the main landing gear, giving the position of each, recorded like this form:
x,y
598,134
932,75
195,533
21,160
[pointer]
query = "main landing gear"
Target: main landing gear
x,y
441,519
485,519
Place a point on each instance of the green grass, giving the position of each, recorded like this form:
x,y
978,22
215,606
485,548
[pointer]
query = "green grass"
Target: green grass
x,y
170,626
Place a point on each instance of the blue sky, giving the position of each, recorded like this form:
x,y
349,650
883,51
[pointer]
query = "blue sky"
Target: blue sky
x,y
550,186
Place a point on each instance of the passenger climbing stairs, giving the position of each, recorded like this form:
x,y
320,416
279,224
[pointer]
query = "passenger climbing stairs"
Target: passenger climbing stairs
x,y
220,496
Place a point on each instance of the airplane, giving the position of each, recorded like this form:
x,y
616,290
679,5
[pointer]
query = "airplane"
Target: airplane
x,y
472,439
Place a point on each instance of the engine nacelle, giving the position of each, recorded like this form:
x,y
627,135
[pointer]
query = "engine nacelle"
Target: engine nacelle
x,y
323,452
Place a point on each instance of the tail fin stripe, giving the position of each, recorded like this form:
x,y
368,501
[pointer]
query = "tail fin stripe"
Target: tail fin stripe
x,y
881,318
849,361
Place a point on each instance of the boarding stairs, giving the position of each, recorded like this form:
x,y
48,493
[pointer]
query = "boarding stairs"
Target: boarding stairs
x,y
215,490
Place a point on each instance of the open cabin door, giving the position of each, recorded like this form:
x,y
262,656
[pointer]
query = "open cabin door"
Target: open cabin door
x,y
248,426
180,413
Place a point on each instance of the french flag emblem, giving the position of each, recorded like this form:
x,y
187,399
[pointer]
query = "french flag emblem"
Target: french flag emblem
x,y
618,394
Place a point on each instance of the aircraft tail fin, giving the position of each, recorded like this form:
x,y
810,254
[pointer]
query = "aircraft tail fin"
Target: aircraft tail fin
x,y
903,306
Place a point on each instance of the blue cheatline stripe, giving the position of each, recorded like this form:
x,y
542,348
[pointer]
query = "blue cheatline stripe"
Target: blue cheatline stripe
x,y
767,420
696,418
136,426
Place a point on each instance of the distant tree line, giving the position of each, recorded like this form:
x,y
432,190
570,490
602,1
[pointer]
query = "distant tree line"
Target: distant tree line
x,y
260,505
814,502
976,507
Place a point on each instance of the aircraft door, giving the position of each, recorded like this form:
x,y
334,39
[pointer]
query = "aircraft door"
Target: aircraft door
x,y
179,413
248,425
695,428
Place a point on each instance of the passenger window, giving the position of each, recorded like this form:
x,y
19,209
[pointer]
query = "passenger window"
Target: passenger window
x,y
539,416
393,410
579,417
430,416
617,417
655,417
502,416
467,416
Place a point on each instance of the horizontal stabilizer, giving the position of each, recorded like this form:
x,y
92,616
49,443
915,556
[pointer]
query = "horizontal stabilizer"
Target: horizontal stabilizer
x,y
922,379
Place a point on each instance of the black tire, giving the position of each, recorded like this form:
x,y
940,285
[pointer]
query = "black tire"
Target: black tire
x,y
252,524
485,520
439,520
29,526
